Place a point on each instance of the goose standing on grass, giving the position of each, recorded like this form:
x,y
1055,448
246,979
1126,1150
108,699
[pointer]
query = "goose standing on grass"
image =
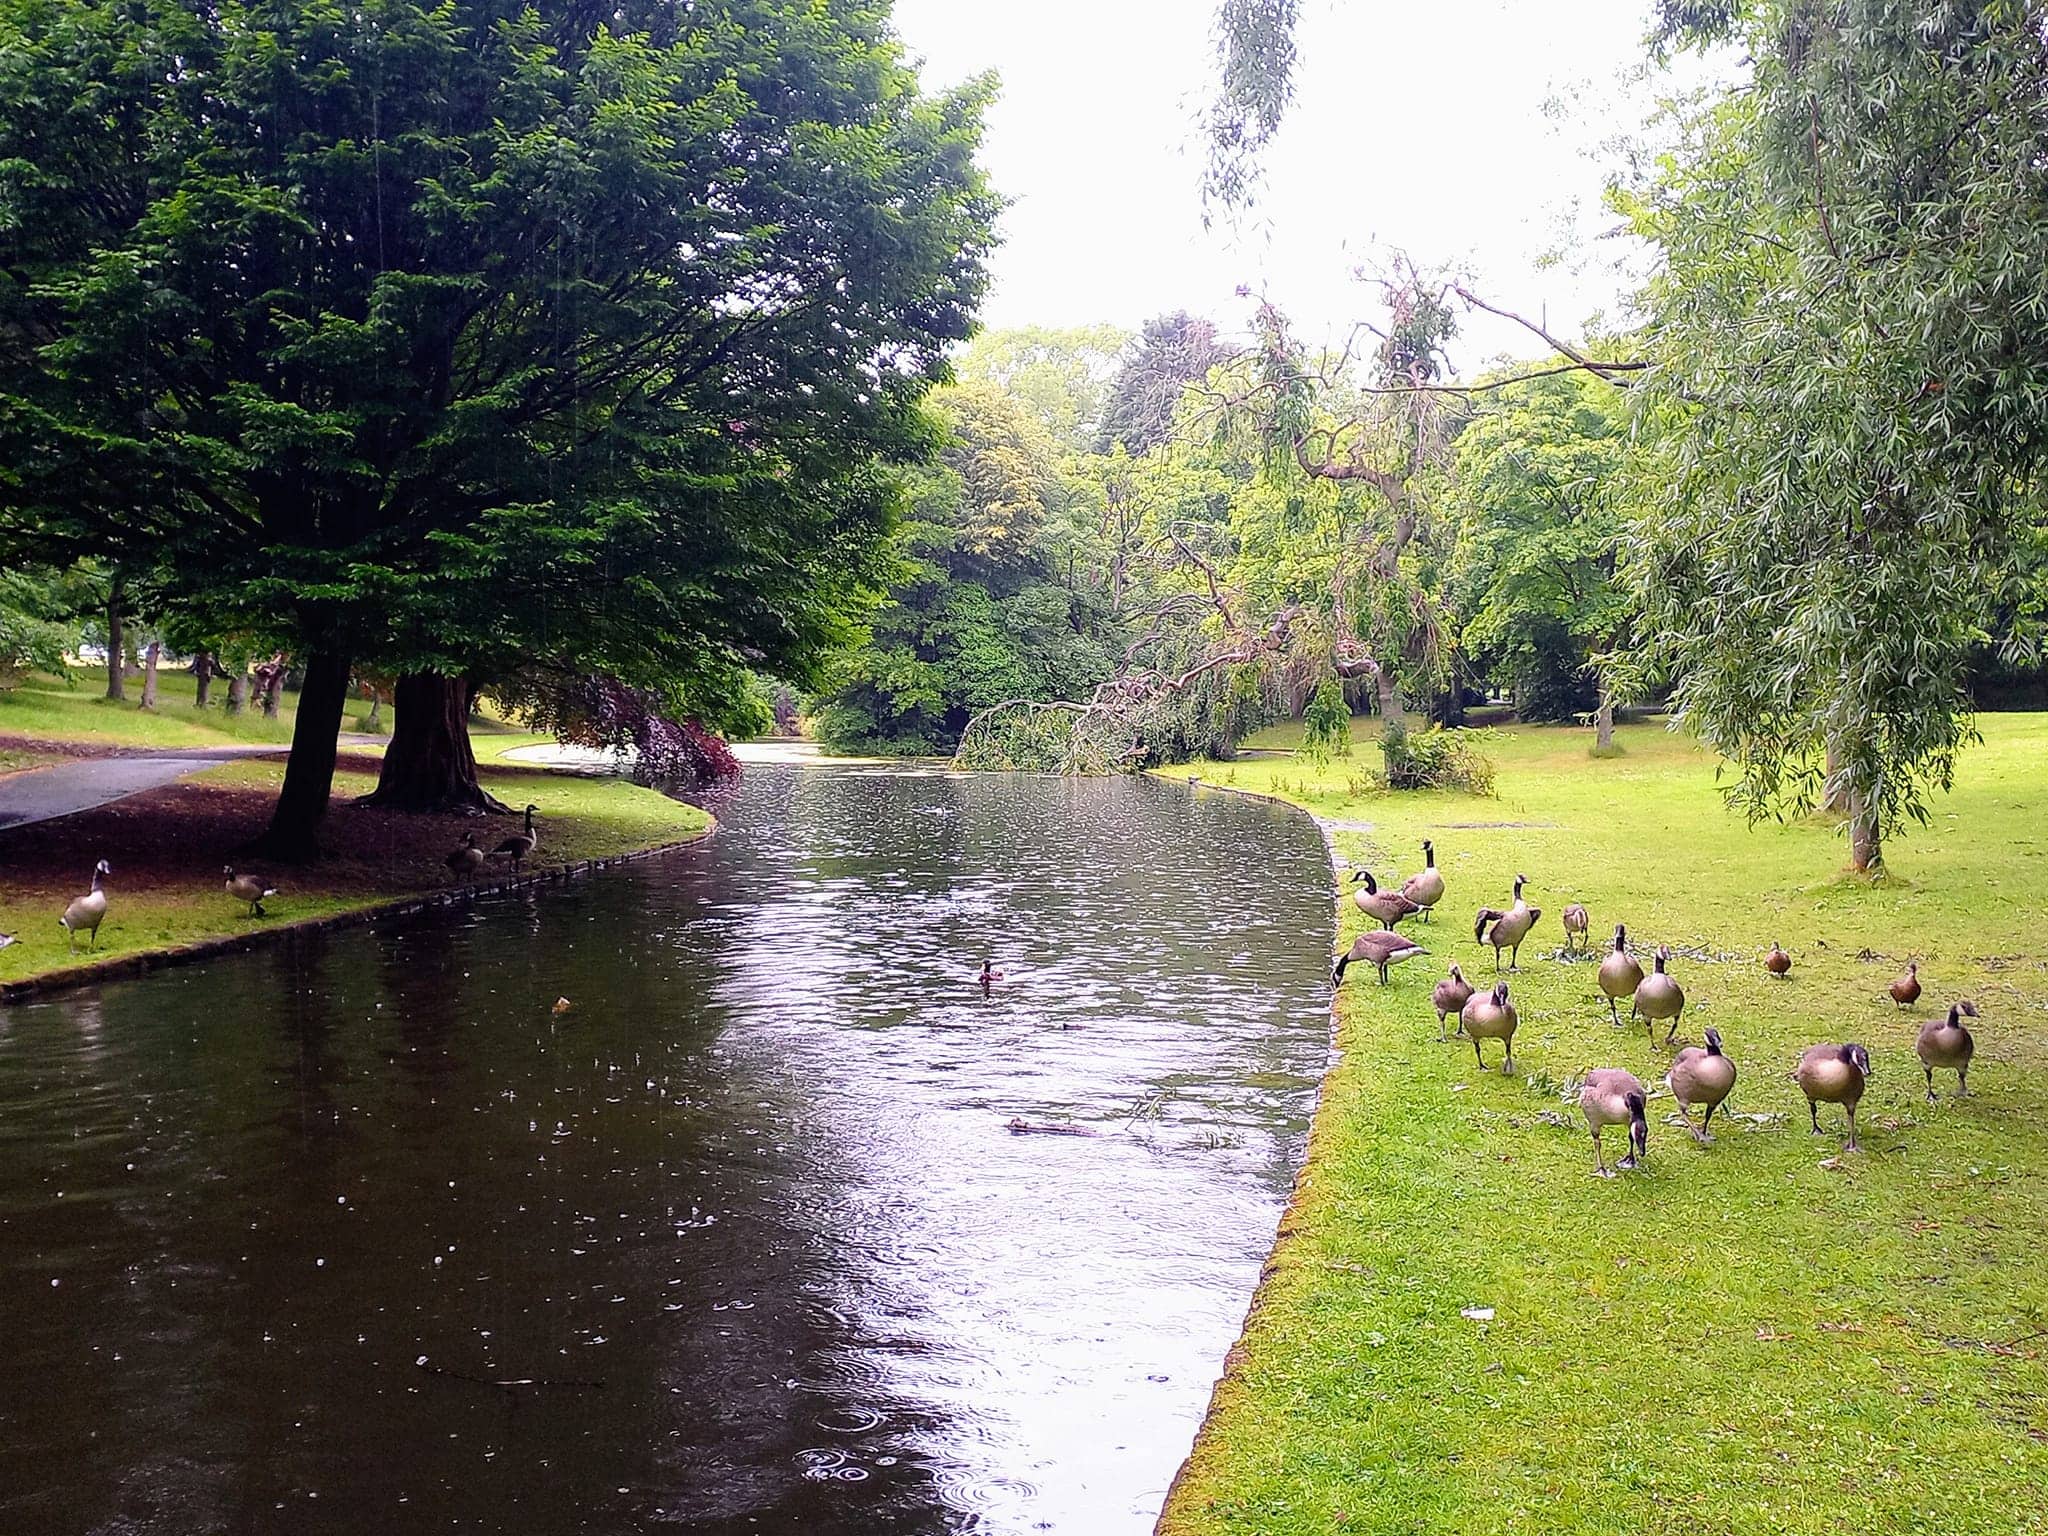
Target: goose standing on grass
x,y
466,862
1611,1096
1906,990
1777,962
1490,1016
1620,975
1833,1074
1390,907
87,912
1426,889
1451,996
1377,946
1659,997
1509,928
253,889
1945,1043
520,844
1576,921
1700,1076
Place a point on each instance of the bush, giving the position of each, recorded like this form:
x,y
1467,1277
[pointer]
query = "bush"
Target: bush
x,y
1434,759
1326,723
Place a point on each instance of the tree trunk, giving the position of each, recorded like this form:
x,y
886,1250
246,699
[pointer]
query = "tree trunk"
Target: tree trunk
x,y
150,658
309,772
116,687
273,689
1390,698
376,714
1603,723
1866,854
202,679
1834,790
238,690
429,766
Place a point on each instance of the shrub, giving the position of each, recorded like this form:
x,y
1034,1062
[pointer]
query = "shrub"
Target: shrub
x,y
1326,723
1434,759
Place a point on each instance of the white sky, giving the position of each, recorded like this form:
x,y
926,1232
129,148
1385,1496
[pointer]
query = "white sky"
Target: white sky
x,y
1461,131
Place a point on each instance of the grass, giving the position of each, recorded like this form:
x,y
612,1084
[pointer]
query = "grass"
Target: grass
x,y
54,709
1765,1335
167,848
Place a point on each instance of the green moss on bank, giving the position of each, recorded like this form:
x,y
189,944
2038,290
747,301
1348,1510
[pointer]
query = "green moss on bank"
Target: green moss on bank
x,y
1761,1336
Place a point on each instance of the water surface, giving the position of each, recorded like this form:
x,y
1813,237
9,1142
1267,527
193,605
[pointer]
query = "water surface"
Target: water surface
x,y
357,1233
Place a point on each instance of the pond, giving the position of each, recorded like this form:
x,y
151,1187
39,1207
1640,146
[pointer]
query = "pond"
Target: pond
x,y
359,1233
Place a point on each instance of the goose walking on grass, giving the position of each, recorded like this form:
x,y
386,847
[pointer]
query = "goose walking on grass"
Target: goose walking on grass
x,y
1379,947
466,862
253,889
85,913
1701,1076
1833,1074
1620,975
520,844
1659,997
1576,923
1389,907
1450,996
1946,1044
1490,1016
1507,929
1425,889
1611,1096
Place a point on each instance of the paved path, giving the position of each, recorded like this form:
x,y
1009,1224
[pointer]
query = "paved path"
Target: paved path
x,y
64,789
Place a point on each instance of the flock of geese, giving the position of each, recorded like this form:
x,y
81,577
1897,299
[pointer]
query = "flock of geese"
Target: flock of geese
x,y
1700,1077
84,914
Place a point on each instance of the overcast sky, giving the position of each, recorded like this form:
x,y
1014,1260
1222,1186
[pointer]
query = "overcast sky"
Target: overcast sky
x,y
1460,131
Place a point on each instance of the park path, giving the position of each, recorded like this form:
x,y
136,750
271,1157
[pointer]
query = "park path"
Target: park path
x,y
64,789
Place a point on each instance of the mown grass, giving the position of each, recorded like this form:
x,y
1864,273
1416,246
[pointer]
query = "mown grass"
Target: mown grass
x,y
1763,1335
55,709
167,848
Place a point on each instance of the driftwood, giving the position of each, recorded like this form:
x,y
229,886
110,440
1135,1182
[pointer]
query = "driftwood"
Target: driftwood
x,y
1027,1128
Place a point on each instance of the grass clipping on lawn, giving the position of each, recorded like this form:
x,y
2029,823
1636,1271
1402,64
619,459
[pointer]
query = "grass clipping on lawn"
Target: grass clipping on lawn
x,y
168,846
1765,1335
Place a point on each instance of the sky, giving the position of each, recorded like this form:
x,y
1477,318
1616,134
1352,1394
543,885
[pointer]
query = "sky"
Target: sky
x,y
1464,132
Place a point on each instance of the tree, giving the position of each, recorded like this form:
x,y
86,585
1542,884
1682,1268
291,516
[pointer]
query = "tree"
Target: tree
x,y
1172,352
1062,376
431,336
1850,393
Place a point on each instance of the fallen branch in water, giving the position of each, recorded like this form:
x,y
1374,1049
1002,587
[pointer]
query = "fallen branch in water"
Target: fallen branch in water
x,y
1026,1128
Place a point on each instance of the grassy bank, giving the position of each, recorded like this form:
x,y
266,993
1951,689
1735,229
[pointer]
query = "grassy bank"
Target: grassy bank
x,y
1762,1335
55,709
167,848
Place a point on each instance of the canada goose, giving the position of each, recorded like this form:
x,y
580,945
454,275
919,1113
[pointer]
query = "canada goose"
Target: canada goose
x,y
1390,907
1777,962
1509,927
1619,973
1906,990
88,911
1659,997
989,976
1490,1016
1611,1096
1701,1077
1576,922
1427,888
1450,996
6,939
1833,1074
520,844
1377,946
253,889
1945,1044
466,862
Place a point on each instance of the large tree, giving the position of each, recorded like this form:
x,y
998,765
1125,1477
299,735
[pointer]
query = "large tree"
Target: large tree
x,y
422,335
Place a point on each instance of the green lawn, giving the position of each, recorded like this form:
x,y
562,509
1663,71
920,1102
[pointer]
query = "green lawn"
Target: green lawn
x,y
1766,1335
51,709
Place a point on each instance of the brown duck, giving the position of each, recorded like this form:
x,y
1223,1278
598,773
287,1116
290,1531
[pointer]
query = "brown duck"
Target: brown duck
x,y
1945,1043
1833,1074
1451,996
1611,1096
1619,973
1701,1076
1777,962
1490,1016
1507,929
1906,990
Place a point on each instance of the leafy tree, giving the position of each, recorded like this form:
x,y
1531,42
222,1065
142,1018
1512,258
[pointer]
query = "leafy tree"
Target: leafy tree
x,y
1850,395
1062,376
1172,352
435,336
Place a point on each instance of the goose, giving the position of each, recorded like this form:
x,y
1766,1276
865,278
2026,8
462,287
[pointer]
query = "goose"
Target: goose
x,y
1701,1077
1490,1016
1611,1096
1509,927
1833,1074
1946,1043
1777,962
6,939
1659,997
1619,973
1427,888
253,889
1377,946
1390,907
520,844
1906,990
1450,996
989,976
90,910
466,862
1576,921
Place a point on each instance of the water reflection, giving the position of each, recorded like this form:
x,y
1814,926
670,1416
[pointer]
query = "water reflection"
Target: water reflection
x,y
360,1233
